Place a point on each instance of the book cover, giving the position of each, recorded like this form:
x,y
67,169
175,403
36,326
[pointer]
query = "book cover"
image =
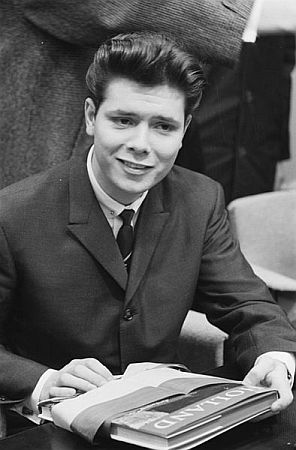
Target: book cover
x,y
159,407
190,419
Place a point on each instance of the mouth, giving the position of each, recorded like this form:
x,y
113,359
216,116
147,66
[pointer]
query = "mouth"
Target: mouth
x,y
134,166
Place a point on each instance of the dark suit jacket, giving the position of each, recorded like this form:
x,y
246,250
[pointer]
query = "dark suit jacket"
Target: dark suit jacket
x,y
65,294
47,46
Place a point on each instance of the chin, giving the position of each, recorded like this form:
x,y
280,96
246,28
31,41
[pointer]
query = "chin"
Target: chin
x,y
134,192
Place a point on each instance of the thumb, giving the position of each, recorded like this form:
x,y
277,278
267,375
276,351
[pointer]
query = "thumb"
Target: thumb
x,y
253,377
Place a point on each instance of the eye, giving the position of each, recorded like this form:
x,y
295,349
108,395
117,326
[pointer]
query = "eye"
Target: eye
x,y
165,127
123,122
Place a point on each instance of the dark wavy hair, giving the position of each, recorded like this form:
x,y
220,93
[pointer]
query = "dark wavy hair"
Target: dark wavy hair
x,y
149,59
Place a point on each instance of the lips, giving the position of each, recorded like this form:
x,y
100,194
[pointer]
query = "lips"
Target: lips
x,y
135,166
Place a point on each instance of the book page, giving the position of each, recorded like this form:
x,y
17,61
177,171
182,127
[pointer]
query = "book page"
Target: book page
x,y
65,412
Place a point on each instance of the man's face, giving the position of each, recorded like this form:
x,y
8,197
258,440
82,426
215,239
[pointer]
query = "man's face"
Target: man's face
x,y
138,132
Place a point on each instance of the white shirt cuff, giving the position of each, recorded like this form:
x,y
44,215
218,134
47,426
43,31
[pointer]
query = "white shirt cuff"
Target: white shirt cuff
x,y
35,396
28,408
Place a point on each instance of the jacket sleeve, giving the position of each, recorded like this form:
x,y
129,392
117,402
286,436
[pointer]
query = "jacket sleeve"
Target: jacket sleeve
x,y
211,29
18,375
237,301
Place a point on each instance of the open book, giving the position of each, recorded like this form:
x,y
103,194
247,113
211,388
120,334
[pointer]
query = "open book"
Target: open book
x,y
160,408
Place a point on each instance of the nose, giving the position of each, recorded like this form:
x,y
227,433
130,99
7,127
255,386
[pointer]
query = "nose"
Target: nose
x,y
139,139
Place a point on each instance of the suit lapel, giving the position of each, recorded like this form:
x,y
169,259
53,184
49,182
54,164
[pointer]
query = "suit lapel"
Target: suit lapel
x,y
149,227
89,225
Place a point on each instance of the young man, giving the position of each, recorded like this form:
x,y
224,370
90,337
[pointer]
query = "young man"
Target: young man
x,y
72,298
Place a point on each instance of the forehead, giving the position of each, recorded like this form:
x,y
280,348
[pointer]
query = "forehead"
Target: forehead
x,y
135,98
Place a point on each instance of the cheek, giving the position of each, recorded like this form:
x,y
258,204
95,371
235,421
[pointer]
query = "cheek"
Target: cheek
x,y
168,149
107,141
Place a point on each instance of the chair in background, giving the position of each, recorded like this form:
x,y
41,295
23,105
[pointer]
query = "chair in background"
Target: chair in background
x,y
265,226
201,344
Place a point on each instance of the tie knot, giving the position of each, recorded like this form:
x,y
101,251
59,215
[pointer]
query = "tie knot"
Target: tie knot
x,y
127,216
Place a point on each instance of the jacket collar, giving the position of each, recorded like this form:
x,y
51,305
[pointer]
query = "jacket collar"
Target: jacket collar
x,y
89,225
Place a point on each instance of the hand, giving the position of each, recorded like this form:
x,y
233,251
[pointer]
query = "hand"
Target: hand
x,y
270,372
79,375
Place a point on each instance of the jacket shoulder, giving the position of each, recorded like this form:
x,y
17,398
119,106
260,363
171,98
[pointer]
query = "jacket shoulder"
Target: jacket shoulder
x,y
193,187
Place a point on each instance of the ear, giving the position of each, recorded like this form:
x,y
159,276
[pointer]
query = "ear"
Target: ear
x,y
90,116
187,122
186,125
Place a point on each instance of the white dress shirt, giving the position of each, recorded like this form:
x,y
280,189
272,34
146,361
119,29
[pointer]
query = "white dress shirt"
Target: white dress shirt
x,y
112,208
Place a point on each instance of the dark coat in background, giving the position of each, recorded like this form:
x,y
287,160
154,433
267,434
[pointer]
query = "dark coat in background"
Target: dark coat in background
x,y
47,46
65,293
243,119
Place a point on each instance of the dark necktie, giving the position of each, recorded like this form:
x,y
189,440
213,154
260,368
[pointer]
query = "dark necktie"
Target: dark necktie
x,y
125,235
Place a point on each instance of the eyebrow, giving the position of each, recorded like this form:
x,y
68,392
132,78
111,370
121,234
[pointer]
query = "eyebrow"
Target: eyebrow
x,y
168,119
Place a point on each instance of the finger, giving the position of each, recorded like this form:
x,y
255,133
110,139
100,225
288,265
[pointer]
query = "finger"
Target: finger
x,y
83,372
56,391
99,368
93,364
277,379
257,375
72,381
272,373
286,398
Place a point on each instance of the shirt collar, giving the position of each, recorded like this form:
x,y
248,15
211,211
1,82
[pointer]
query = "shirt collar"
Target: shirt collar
x,y
108,204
